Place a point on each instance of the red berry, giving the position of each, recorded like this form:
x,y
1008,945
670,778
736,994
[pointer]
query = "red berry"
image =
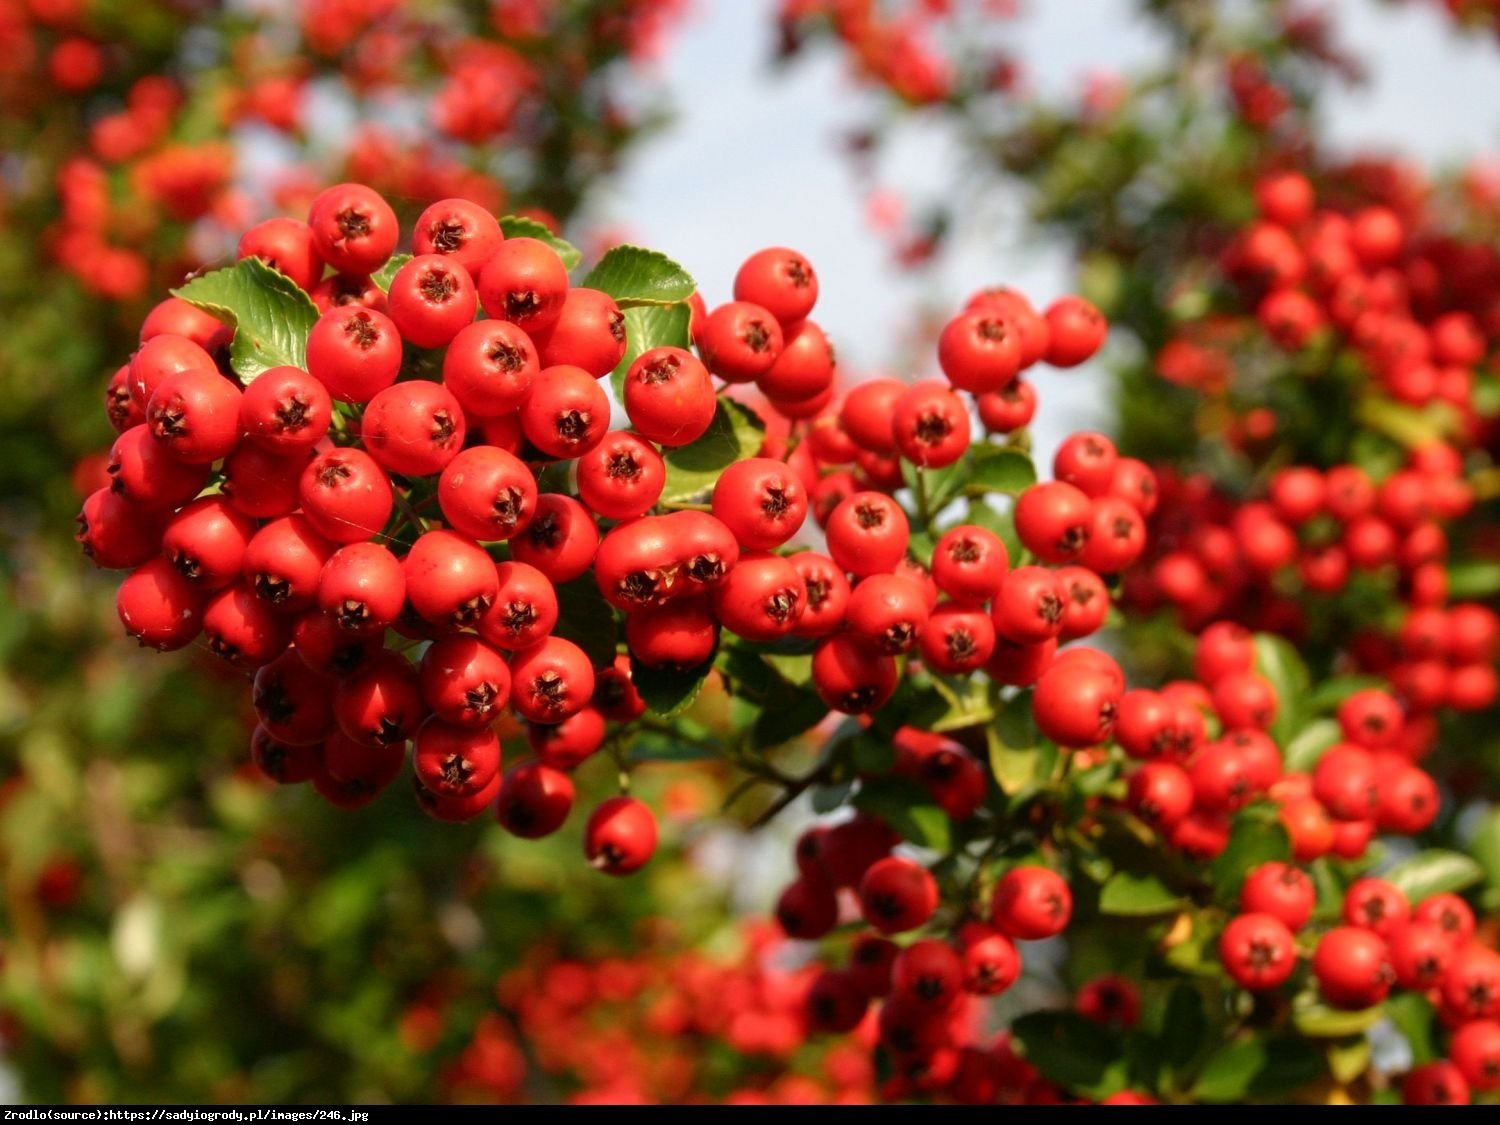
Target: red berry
x,y
431,299
345,495
669,397
285,410
621,836
1032,903
1258,951
354,229
868,534
534,800
565,412
588,333
489,366
896,895
461,231
740,341
414,428
550,680
355,352
159,607
524,282
1352,967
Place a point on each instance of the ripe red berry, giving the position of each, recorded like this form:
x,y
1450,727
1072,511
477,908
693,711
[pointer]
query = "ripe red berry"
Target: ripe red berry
x,y
345,495
560,540
1475,1051
779,280
355,352
888,612
489,366
588,333
1008,409
980,352
1435,1083
930,425
454,761
381,703
450,579
1258,951
1032,903
195,416
928,972
1054,521
362,587
242,629
836,1003
1352,967
414,428
285,410
1420,954
1376,905
761,501
159,607
565,412
159,358
1076,331
570,743
669,397
294,703
852,676
461,231
354,229
1029,606
761,598
464,681
1074,706
550,680
956,640
206,542
534,800
807,909
285,245
804,371
1280,890
969,564
621,836
524,609
679,635
524,282
740,341
896,895
868,534
1161,794
827,594
431,299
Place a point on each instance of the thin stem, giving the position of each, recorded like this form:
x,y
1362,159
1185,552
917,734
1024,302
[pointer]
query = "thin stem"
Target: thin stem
x,y
924,506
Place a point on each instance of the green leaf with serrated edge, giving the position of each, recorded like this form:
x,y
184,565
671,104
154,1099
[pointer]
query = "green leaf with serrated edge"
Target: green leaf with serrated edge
x,y
1254,840
270,315
1230,1070
1304,750
1472,579
586,619
387,273
647,327
633,275
918,822
667,693
1318,1021
1279,663
997,469
518,226
1014,768
826,798
1434,872
1133,895
1068,1049
734,434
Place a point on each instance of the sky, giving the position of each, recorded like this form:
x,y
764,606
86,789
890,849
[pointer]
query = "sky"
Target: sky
x,y
753,160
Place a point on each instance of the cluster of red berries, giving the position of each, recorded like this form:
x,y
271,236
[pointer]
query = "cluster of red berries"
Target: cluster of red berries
x,y
1384,943
1417,315
143,189
645,1028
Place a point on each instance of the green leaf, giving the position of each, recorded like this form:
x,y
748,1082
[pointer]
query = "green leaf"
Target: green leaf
x,y
668,693
1279,662
1133,895
735,433
518,226
1014,768
387,273
1303,751
1348,1058
788,711
1415,1019
647,327
1434,872
1230,1070
1330,693
633,275
1254,841
918,821
586,619
1473,579
826,798
997,469
872,753
270,315
1318,1021
660,746
1485,848
1069,1049
1183,1026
